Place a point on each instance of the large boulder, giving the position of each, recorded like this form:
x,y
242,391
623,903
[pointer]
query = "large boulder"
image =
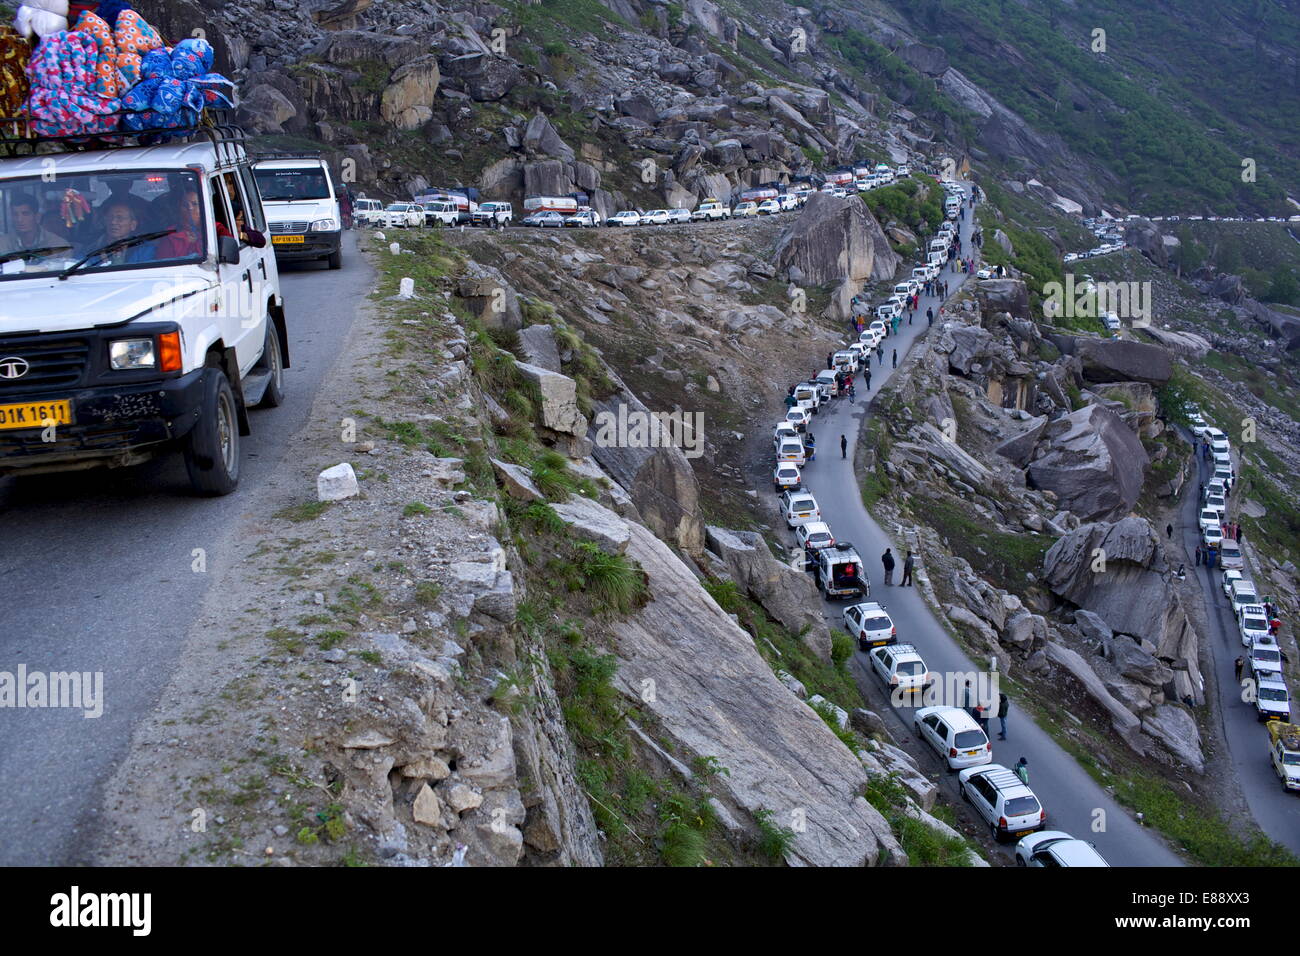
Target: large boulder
x,y
548,177
788,595
1118,572
490,297
486,78
836,239
1119,360
1144,236
559,395
540,137
407,101
1092,462
930,60
1019,448
264,109
659,479
1188,344
1003,295
1174,728
684,659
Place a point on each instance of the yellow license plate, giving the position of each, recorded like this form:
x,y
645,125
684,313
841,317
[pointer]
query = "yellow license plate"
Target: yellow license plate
x,y
286,240
35,414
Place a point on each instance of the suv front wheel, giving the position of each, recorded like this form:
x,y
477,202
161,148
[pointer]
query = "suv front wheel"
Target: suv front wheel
x,y
212,446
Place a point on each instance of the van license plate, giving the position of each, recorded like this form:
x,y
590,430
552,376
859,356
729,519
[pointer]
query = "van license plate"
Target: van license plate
x,y
285,240
35,414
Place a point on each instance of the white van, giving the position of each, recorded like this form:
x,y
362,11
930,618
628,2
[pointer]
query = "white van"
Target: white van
x,y
302,207
955,736
368,211
153,323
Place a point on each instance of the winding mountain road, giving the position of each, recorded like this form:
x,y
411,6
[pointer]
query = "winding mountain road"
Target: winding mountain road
x,y
1072,798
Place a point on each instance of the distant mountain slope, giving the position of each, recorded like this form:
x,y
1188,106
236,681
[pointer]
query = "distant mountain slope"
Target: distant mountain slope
x,y
1185,90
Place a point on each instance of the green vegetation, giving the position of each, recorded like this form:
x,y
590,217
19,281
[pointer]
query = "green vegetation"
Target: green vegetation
x,y
305,511
924,846
1002,559
1172,139
914,202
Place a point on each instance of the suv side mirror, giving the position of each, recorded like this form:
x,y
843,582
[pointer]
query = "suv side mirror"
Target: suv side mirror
x,y
228,249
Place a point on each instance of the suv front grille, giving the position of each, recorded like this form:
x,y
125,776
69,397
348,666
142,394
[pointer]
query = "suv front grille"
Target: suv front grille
x,y
53,363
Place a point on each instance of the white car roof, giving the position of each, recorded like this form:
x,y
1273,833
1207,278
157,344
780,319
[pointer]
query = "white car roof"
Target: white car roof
x,y
957,718
816,527
201,153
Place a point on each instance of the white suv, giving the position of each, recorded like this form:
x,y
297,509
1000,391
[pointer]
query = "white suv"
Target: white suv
x,y
1005,802
302,207
153,323
403,215
1252,624
955,735
711,209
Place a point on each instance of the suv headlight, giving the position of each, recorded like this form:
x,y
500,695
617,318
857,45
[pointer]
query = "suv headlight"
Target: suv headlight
x,y
126,354
325,225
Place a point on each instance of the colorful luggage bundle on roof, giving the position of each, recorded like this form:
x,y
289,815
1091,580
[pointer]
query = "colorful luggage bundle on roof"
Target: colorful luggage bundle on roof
x,y
111,72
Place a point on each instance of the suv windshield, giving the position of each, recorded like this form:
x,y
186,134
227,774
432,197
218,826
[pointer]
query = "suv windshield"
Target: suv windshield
x,y
1260,654
288,184
46,227
1272,693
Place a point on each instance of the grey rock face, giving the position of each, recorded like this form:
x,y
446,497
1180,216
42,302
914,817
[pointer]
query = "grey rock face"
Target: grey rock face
x,y
1112,360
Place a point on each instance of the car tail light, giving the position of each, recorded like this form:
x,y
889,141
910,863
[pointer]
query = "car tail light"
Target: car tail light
x,y
989,746
893,632
1042,815
169,352
1002,823
952,751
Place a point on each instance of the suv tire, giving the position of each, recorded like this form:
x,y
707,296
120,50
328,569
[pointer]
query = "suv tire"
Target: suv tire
x,y
335,259
212,446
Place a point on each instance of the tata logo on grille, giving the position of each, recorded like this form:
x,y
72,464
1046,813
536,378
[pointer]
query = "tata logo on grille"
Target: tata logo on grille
x,y
11,366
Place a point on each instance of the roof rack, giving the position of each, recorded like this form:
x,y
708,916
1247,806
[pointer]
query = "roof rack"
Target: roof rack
x,y
227,139
274,154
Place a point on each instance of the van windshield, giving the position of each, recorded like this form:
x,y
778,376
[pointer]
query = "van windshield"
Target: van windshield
x,y
46,227
280,185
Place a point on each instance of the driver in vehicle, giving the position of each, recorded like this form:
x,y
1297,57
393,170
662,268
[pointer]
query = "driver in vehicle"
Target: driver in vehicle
x,y
27,231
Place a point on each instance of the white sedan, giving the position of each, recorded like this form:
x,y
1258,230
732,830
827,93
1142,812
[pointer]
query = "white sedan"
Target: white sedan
x,y
625,218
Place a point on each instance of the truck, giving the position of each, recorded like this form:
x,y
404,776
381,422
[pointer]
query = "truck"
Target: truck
x,y
142,308
493,214
1284,753
711,209
565,205
302,207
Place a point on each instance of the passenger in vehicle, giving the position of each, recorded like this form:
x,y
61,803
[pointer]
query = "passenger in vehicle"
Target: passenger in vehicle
x,y
187,240
26,230
121,220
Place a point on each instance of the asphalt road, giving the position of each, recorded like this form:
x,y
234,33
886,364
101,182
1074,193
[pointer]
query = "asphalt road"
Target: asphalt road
x,y
1276,812
97,572
1071,797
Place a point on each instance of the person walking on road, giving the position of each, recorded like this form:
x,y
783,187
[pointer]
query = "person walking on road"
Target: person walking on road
x,y
852,393
1169,531
1004,705
1236,668
887,559
829,356
929,316
908,562
844,447
867,372
968,698
1200,555
1022,770
895,358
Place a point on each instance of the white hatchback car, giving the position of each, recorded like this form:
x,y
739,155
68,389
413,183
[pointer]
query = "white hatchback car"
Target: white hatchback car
x,y
798,417
1054,849
769,207
786,476
799,507
901,668
745,209
1003,800
403,215
627,217
870,625
655,217
814,535
954,735
679,215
